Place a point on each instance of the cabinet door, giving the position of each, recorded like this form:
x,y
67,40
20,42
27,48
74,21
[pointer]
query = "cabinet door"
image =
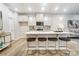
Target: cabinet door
x,y
32,21
23,18
47,22
39,17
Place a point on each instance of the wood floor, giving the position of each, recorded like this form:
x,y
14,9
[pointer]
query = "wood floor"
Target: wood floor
x,y
18,49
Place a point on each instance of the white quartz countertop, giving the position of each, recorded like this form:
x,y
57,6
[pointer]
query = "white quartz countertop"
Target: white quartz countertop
x,y
47,32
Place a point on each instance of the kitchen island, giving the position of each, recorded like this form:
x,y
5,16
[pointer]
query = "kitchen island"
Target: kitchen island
x,y
46,34
55,45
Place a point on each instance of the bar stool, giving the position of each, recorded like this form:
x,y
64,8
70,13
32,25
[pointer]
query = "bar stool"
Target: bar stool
x,y
41,44
65,40
31,44
52,43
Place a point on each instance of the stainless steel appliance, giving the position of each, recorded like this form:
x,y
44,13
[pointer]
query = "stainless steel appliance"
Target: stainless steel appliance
x,y
39,26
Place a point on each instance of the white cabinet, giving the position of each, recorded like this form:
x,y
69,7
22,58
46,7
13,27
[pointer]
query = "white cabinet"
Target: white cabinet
x,y
23,18
32,21
23,23
47,22
39,17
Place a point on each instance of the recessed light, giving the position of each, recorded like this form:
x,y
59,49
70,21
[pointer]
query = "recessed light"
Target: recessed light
x,y
44,4
60,18
56,9
29,9
65,10
46,18
30,18
16,9
42,8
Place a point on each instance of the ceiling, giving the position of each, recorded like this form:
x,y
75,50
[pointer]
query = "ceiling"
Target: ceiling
x,y
44,7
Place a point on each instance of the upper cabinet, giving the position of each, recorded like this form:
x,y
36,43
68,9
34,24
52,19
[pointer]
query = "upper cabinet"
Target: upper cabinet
x,y
39,17
47,20
32,19
23,18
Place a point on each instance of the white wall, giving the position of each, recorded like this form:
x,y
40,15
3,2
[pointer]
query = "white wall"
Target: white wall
x,y
10,21
4,10
16,26
55,21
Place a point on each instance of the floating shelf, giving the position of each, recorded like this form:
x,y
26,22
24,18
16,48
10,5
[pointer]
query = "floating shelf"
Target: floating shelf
x,y
23,23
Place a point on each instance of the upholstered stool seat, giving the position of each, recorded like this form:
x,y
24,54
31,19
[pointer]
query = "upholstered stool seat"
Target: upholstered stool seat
x,y
42,45
52,44
63,43
31,45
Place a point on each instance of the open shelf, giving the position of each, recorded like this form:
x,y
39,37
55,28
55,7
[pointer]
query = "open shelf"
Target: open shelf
x,y
23,23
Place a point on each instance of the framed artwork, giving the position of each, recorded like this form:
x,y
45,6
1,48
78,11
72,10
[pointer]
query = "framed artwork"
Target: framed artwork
x,y
1,22
73,24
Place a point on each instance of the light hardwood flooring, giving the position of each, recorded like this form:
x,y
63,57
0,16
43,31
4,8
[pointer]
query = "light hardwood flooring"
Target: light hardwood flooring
x,y
18,49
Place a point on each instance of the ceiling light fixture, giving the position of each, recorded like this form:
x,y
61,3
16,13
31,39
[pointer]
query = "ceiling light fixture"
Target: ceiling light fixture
x,y
30,18
29,9
16,9
56,9
65,10
43,8
46,18
60,18
44,4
